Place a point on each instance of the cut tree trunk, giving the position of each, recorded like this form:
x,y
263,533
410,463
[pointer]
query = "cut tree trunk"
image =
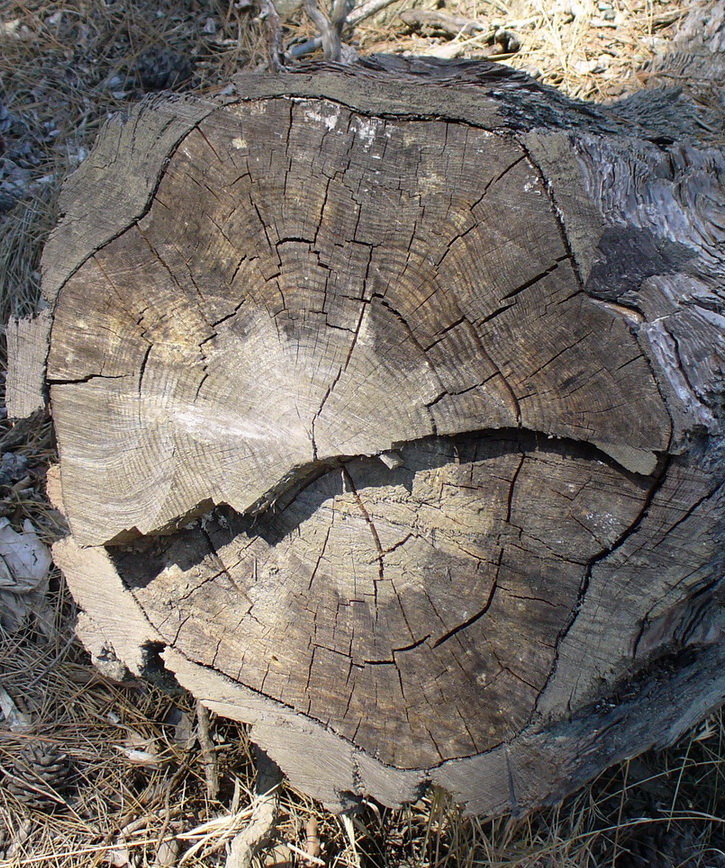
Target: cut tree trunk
x,y
389,402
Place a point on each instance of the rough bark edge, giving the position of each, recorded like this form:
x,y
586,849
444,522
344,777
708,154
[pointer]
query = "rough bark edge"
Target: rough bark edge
x,y
475,92
694,62
675,218
27,347
542,768
456,90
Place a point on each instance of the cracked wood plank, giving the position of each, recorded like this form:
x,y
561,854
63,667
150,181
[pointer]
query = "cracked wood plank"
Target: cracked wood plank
x,y
512,295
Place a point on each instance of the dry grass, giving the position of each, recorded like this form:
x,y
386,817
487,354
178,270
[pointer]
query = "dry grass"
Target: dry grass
x,y
569,43
140,795
141,785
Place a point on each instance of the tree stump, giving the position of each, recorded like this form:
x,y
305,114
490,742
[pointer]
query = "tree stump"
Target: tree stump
x,y
389,403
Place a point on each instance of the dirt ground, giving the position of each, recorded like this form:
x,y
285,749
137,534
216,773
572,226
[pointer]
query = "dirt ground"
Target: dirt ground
x,y
102,772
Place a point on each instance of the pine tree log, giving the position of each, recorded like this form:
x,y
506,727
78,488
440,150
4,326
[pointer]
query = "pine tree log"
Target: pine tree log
x,y
389,403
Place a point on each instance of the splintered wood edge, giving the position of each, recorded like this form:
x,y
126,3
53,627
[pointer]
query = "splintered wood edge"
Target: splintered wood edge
x,y
27,348
513,777
113,187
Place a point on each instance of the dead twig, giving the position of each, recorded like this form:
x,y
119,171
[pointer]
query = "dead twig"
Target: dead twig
x,y
264,814
367,10
456,26
453,25
330,28
208,753
273,27
312,839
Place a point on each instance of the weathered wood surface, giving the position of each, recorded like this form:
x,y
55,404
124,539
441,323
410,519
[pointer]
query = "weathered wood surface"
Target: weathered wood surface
x,y
389,409
27,348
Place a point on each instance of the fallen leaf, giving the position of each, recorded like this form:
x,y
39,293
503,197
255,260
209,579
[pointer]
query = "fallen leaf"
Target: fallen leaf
x,y
16,720
24,566
168,853
118,858
139,757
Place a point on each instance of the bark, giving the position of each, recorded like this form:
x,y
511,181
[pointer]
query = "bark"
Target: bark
x,y
389,402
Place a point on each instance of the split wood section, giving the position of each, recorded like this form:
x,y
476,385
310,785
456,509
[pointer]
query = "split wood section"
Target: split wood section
x,y
373,423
